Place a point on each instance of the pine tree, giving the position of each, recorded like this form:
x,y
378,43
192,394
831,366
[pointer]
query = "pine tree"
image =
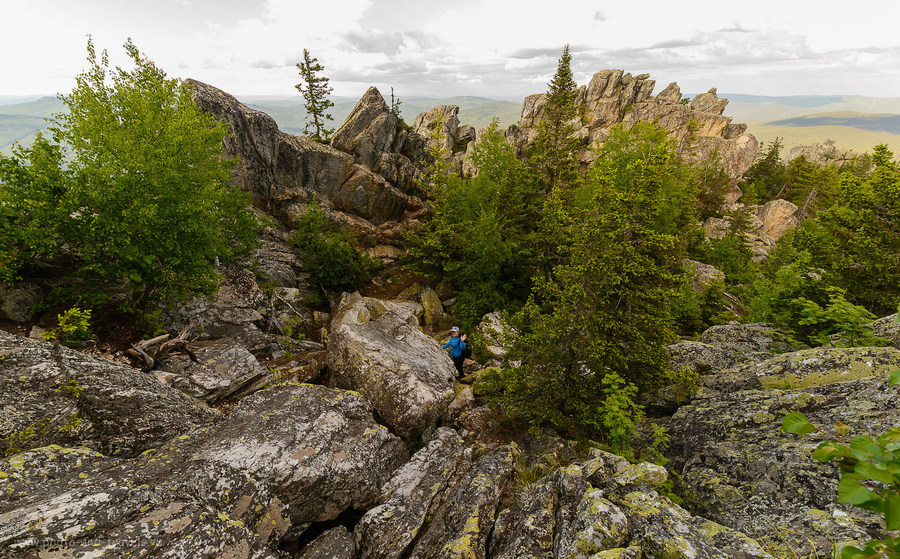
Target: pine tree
x,y
315,91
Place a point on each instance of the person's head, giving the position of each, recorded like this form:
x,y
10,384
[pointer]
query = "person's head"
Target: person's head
x,y
454,331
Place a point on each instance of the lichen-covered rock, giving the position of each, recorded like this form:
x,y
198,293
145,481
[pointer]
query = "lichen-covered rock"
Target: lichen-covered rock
x,y
410,497
336,543
750,476
464,520
492,330
50,394
17,301
224,370
745,340
808,368
232,312
599,525
527,529
75,501
403,372
888,327
318,449
434,310
663,529
702,276
702,358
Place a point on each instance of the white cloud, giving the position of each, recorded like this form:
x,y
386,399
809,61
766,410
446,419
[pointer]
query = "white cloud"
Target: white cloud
x,y
487,47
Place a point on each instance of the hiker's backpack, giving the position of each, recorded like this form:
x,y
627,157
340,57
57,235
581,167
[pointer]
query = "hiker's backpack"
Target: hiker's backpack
x,y
467,353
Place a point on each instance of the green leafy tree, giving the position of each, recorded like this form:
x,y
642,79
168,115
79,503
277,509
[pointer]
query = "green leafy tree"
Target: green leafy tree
x,y
477,237
142,200
315,90
606,310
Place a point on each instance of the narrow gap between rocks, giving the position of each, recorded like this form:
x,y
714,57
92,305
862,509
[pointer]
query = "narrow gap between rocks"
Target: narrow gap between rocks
x,y
348,519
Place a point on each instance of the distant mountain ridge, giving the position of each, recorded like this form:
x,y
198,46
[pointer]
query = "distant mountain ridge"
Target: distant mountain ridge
x,y
853,122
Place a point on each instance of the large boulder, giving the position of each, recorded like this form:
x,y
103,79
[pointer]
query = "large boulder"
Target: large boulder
x,y
777,217
403,372
73,502
464,521
745,473
411,497
55,395
888,327
318,449
808,368
224,370
17,301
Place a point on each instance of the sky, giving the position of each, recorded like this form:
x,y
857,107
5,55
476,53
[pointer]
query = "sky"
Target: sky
x,y
490,48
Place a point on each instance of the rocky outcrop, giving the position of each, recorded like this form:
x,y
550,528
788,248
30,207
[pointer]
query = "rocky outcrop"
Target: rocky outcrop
x,y
403,372
807,368
224,370
318,448
888,327
724,346
285,172
745,473
777,218
17,301
55,395
613,97
411,496
826,153
703,276
766,225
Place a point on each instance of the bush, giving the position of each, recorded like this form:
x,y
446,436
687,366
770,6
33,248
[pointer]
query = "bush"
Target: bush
x,y
142,201
330,255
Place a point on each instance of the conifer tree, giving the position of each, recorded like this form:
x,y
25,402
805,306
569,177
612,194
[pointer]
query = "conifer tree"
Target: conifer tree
x,y
553,156
315,91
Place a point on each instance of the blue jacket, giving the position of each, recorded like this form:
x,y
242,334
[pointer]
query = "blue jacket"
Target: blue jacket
x,y
456,345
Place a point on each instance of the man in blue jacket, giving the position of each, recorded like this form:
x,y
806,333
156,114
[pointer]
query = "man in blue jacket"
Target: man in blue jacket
x,y
457,344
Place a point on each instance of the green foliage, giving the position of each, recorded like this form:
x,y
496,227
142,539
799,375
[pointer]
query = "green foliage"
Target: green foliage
x,y
477,237
32,205
839,316
870,476
315,91
552,157
857,239
74,325
598,323
329,255
142,200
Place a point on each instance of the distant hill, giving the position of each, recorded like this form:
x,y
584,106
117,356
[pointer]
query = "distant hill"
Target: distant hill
x,y
853,122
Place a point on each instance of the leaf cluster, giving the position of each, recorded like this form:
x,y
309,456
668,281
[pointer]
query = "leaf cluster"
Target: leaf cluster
x,y
133,185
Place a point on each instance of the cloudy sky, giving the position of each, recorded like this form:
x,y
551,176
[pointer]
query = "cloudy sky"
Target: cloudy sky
x,y
492,48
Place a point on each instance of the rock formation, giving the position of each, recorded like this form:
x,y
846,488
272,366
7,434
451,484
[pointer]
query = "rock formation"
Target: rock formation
x,y
614,97
284,172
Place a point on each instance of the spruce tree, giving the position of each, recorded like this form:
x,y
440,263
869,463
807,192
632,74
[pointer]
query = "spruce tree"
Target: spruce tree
x,y
553,156
315,91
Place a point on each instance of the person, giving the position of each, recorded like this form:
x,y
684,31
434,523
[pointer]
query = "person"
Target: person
x,y
457,344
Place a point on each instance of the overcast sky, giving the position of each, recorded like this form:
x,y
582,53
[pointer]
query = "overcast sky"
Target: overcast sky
x,y
492,48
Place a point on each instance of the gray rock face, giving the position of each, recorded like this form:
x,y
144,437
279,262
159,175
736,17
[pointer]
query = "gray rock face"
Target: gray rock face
x,y
17,301
232,312
318,448
745,340
808,368
402,371
703,275
462,524
412,494
284,171
613,96
336,543
888,327
225,370
77,502
749,475
55,395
